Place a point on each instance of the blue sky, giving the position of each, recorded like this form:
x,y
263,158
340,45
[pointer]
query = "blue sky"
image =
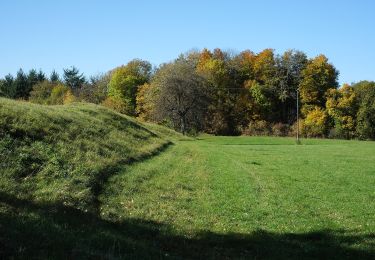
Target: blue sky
x,y
96,36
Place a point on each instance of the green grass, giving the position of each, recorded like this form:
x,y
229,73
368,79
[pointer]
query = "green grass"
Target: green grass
x,y
62,154
158,195
253,196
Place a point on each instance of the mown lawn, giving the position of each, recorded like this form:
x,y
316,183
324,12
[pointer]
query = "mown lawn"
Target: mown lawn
x,y
214,197
252,197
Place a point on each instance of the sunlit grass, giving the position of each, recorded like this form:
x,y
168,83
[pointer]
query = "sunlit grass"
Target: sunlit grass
x,y
81,181
240,185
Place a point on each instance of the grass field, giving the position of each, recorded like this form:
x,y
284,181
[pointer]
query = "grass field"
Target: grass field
x,y
176,197
252,197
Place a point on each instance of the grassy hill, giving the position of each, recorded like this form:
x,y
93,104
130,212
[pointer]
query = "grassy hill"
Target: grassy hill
x,y
81,181
61,154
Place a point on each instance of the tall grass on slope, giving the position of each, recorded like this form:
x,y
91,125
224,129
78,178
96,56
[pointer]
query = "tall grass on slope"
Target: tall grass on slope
x,y
62,154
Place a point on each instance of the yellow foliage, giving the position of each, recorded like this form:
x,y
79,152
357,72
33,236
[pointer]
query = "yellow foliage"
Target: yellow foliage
x,y
348,123
315,123
318,77
145,101
341,107
68,97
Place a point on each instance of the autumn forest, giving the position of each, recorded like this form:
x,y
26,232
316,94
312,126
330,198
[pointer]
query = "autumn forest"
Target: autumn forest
x,y
218,92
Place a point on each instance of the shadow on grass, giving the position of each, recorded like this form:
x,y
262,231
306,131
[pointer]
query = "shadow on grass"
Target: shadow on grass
x,y
31,230
102,178
262,144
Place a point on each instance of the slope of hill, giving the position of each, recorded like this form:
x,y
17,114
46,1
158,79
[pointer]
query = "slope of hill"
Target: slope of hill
x,y
62,154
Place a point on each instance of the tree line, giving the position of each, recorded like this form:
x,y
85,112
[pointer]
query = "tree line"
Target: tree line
x,y
218,92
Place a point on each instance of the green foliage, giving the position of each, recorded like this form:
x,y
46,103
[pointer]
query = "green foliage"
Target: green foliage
x,y
7,87
366,113
32,78
50,93
259,94
125,81
21,85
41,76
73,79
58,93
54,77
41,93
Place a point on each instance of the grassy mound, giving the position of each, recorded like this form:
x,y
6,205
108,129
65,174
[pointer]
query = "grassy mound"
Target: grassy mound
x,y
62,154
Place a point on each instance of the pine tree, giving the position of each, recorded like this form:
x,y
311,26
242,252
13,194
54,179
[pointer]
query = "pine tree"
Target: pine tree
x,y
54,76
73,79
41,76
32,79
21,85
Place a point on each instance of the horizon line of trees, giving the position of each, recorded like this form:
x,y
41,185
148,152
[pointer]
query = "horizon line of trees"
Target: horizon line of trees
x,y
218,92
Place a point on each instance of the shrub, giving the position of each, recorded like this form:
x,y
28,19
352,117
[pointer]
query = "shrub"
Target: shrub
x,y
41,92
50,93
293,128
58,94
116,104
280,129
69,97
258,127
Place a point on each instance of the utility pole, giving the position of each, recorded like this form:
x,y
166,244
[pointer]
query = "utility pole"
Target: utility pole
x,y
297,116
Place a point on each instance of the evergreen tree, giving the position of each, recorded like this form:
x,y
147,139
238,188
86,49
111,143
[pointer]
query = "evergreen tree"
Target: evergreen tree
x,y
54,76
73,79
21,85
7,86
32,79
41,76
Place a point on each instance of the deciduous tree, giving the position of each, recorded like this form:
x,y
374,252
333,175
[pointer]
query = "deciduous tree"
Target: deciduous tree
x,y
342,108
315,123
146,98
365,92
318,76
125,81
181,97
